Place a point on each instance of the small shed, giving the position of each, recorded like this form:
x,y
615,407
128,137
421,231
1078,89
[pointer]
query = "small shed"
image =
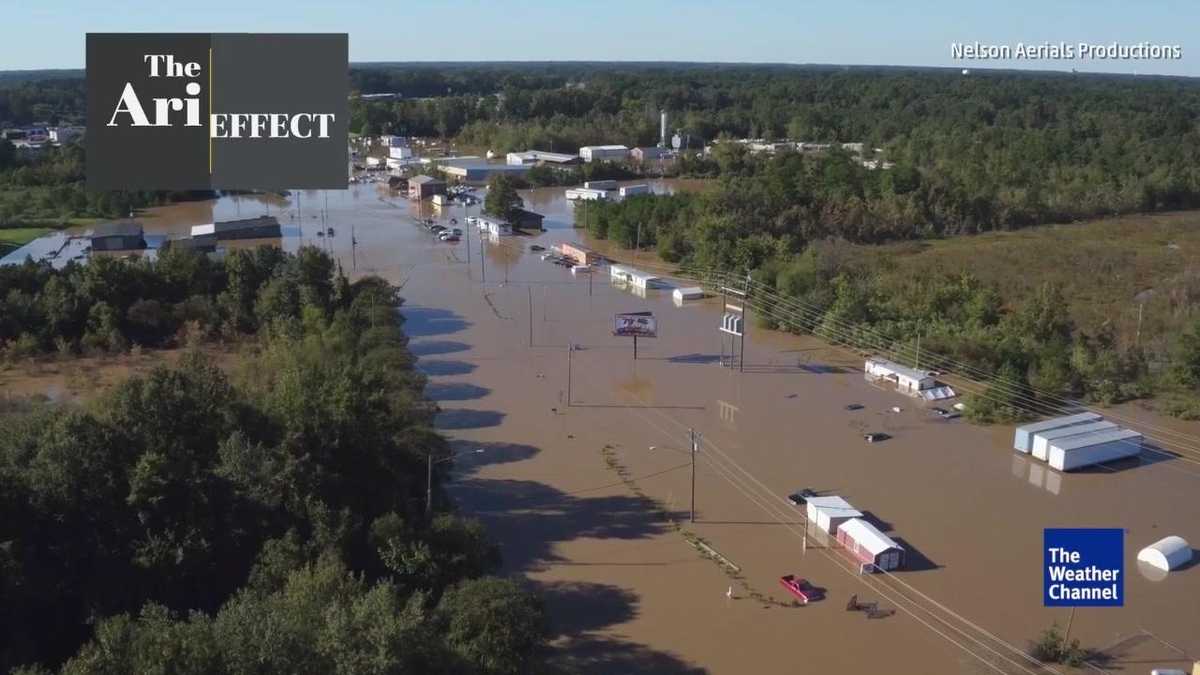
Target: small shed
x,y
830,512
631,276
1023,439
868,545
631,190
907,380
688,293
1168,553
1042,439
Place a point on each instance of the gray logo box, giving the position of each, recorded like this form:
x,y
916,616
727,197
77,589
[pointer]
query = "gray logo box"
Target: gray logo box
x,y
284,75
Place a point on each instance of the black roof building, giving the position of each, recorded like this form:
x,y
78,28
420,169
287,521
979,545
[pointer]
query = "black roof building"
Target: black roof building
x,y
121,235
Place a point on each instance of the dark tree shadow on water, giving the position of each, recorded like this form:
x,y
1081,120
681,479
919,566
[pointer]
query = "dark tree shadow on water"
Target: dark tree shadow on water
x,y
431,321
455,391
529,518
465,418
437,368
577,610
434,347
493,453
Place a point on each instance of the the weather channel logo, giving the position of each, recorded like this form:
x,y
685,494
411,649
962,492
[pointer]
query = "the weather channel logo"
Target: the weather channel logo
x,y
231,111
1084,568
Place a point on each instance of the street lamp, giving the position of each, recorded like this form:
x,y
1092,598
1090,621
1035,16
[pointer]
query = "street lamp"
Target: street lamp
x,y
430,461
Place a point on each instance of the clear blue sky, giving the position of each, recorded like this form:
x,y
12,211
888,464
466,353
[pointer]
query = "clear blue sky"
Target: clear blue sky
x,y
50,33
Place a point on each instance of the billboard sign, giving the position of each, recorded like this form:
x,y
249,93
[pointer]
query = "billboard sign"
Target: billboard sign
x,y
635,324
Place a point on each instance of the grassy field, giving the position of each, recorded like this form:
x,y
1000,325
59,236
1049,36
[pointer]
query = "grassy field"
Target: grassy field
x,y
1108,269
14,238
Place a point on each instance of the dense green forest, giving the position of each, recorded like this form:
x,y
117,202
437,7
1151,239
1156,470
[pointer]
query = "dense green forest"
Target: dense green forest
x,y
994,150
268,520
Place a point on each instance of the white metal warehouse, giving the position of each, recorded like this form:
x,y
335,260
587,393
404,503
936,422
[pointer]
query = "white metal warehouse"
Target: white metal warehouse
x,y
830,512
1167,554
907,380
1042,439
1076,452
1023,440
631,276
868,545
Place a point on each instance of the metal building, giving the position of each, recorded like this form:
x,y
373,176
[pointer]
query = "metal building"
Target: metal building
x,y
1042,439
869,546
1023,439
1076,452
830,512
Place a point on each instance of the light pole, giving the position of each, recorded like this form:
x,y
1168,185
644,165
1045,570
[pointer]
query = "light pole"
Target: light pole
x,y
430,461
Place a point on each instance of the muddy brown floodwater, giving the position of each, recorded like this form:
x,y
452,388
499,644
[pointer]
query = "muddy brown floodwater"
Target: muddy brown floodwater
x,y
589,497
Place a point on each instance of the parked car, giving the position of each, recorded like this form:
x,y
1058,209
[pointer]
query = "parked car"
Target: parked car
x,y
801,498
854,406
875,437
535,248
450,237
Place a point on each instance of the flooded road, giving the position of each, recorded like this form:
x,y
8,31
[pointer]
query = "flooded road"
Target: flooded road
x,y
585,478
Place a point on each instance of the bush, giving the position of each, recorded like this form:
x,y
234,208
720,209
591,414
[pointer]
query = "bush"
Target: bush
x,y
1052,647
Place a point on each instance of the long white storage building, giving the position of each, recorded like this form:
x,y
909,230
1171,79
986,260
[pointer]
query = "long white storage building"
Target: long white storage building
x,y
830,512
631,276
907,380
1075,452
1023,440
1043,439
870,546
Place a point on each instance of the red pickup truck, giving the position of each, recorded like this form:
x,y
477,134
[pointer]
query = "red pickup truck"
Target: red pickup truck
x,y
801,588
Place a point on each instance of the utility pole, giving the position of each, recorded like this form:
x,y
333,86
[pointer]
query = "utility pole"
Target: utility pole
x,y
590,274
917,365
1138,340
482,258
1067,635
695,438
530,289
570,349
429,484
637,248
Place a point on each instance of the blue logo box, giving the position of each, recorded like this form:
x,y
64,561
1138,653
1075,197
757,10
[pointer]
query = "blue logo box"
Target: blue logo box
x,y
1083,567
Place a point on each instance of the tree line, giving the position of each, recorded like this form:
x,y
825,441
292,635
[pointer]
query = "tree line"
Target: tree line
x,y
820,283
266,520
984,152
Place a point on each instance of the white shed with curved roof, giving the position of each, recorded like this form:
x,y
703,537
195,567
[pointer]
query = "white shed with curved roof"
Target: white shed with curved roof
x,y
1167,554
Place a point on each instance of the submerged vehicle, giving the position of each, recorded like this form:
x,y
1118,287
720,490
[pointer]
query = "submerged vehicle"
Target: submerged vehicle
x,y
800,588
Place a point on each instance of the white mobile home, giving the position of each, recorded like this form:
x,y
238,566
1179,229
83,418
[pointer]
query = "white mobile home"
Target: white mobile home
x,y
830,512
870,546
1076,452
586,194
1023,439
1043,439
688,293
907,380
631,190
631,276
